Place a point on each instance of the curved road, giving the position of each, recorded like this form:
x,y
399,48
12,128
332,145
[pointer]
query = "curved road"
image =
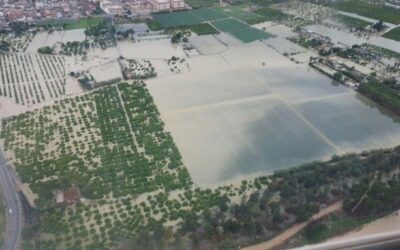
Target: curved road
x,y
11,201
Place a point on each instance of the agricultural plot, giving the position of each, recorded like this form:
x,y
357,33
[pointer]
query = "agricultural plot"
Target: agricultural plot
x,y
17,43
279,17
241,30
351,22
30,79
393,34
107,73
69,37
112,145
202,3
137,68
306,10
207,44
177,19
82,23
177,65
159,49
363,8
260,112
245,16
209,14
203,29
198,16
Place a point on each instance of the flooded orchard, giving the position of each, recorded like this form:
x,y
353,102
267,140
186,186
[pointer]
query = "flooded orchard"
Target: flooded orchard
x,y
262,112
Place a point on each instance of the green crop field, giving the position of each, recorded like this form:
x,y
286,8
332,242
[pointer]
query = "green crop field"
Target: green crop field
x,y
84,23
393,34
73,24
202,3
245,16
351,21
208,14
229,24
362,8
177,19
203,29
197,16
240,30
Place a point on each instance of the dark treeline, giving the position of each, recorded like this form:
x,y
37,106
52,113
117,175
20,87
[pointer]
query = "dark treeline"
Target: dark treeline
x,y
383,94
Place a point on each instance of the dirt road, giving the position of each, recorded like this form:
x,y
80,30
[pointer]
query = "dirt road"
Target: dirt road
x,y
288,233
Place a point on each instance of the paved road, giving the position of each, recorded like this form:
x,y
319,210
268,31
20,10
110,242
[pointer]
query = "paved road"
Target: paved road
x,y
11,201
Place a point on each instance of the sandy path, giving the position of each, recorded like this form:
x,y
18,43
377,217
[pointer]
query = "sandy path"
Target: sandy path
x,y
290,232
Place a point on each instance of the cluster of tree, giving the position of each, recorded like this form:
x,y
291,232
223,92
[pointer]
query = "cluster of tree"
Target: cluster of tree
x,y
75,48
46,50
374,197
178,37
20,27
4,46
102,34
379,26
383,94
125,34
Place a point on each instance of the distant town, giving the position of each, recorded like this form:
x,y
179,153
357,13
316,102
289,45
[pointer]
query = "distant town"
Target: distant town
x,y
30,11
198,124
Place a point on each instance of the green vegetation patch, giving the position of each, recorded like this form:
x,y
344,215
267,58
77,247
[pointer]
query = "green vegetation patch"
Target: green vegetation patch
x,y
240,30
240,14
351,21
202,3
208,14
364,8
112,145
393,34
73,24
203,29
229,24
197,16
153,24
85,23
270,14
329,226
386,52
177,19
118,149
382,94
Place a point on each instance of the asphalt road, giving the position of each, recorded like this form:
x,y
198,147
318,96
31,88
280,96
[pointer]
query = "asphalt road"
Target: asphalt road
x,y
11,201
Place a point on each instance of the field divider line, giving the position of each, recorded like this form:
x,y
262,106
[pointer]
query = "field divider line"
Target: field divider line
x,y
127,119
299,115
219,104
322,98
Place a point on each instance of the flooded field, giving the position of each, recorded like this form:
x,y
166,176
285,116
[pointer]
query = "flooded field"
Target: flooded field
x,y
350,39
149,49
45,38
261,112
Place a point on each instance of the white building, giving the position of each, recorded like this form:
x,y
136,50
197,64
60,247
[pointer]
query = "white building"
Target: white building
x,y
111,8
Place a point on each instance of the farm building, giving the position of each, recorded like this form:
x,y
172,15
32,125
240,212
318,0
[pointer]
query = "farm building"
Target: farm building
x,y
70,196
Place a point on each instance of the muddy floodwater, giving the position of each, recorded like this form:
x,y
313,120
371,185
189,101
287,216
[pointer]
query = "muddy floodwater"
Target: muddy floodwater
x,y
261,112
350,39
